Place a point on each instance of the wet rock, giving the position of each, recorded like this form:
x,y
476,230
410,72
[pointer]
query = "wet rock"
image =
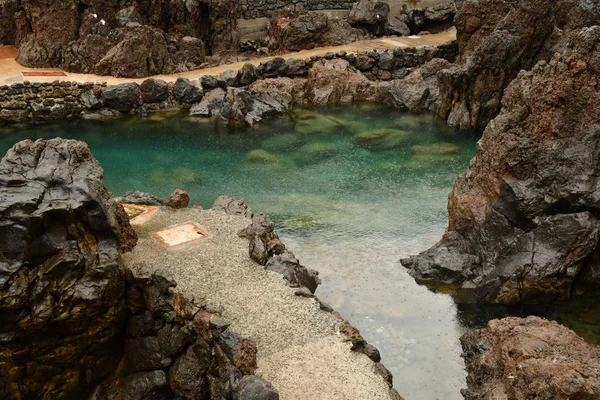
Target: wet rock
x,y
154,90
382,139
142,198
187,91
232,206
385,373
371,351
144,354
210,105
252,387
178,199
60,240
297,275
522,226
123,97
188,375
532,357
147,385
325,307
303,292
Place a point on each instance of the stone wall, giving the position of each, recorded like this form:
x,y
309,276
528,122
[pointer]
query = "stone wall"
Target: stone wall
x,y
23,102
250,9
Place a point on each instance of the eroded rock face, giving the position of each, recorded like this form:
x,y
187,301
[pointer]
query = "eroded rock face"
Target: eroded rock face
x,y
119,38
517,358
523,224
497,39
61,281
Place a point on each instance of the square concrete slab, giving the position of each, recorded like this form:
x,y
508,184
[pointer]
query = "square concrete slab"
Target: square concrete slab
x,y
139,214
180,234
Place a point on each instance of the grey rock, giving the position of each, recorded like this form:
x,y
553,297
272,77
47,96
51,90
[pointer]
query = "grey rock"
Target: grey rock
x,y
209,82
154,90
123,97
89,100
252,387
187,91
188,375
210,105
142,198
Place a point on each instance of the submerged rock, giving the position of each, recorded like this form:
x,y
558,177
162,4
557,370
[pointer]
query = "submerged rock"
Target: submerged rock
x,y
437,149
62,283
261,156
529,358
382,139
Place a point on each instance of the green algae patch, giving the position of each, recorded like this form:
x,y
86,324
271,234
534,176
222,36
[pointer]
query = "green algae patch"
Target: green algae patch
x,y
437,149
315,152
282,142
312,124
382,139
175,177
260,156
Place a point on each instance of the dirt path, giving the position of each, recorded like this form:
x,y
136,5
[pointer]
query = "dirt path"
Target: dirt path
x,y
12,72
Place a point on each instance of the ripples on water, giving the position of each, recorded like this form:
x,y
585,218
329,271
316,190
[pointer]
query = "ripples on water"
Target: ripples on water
x,y
346,211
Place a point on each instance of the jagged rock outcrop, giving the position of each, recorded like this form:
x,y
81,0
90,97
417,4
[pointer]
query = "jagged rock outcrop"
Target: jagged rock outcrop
x,y
8,29
299,30
529,358
496,40
524,224
129,39
61,282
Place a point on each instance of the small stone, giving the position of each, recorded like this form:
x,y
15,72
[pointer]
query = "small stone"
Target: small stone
x,y
303,292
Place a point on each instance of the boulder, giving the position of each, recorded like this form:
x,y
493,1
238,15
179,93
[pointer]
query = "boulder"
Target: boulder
x,y
529,358
523,227
147,385
187,91
372,14
123,97
188,375
154,90
61,239
178,199
252,387
247,107
210,105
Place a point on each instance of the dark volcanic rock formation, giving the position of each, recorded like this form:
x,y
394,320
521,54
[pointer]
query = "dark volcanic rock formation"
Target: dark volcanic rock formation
x,y
524,221
120,38
497,39
61,283
529,358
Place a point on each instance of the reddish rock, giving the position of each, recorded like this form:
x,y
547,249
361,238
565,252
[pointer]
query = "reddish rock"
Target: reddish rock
x,y
529,358
178,199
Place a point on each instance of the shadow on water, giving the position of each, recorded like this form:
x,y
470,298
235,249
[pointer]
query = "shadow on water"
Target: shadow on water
x,y
352,189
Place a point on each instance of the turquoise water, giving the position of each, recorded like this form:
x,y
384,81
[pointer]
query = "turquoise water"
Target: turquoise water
x,y
346,207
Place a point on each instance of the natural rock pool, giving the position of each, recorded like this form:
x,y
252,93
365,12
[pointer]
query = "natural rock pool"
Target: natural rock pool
x,y
349,206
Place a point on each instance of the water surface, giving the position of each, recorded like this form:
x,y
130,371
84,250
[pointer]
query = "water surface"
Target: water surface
x,y
347,211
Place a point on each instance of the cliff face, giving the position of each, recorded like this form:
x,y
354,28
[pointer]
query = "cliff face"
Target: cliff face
x,y
524,221
132,39
497,39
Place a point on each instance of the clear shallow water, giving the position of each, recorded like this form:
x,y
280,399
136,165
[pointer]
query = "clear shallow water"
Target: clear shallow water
x,y
346,211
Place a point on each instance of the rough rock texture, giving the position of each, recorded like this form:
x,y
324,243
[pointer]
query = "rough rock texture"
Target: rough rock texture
x,y
121,38
8,29
232,206
174,350
178,199
61,281
524,216
293,31
370,13
529,358
498,39
266,249
138,197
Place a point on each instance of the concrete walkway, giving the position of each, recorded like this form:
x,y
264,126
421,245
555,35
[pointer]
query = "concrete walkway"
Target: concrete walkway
x,y
11,71
299,350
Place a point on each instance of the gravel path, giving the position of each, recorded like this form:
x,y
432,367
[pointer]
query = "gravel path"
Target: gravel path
x,y
299,350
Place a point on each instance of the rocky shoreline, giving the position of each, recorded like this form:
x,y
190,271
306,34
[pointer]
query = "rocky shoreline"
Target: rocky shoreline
x,y
62,239
38,102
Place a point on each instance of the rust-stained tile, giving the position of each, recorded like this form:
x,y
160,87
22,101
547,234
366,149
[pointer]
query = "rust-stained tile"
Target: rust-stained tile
x,y
180,234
